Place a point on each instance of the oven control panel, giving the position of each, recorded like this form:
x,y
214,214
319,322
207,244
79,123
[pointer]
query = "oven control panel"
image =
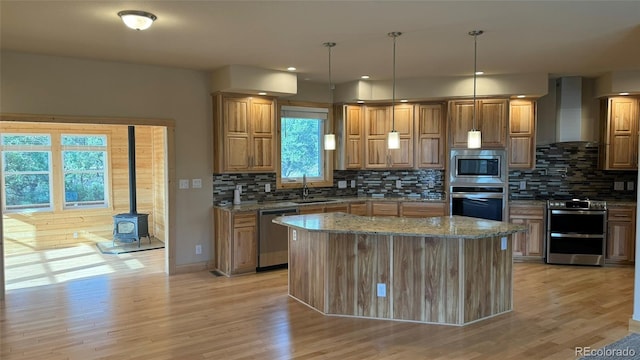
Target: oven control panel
x,y
577,204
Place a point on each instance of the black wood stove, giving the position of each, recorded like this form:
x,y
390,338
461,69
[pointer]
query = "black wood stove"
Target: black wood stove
x,y
132,226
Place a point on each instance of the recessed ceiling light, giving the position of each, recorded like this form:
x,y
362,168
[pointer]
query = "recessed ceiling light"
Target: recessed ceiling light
x,y
404,100
624,93
262,93
307,79
520,96
479,72
365,77
292,68
360,101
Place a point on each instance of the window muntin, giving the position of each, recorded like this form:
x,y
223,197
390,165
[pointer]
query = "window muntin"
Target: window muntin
x,y
301,144
26,172
84,163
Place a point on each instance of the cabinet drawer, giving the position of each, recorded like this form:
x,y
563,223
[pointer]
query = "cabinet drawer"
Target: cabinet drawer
x,y
358,208
417,209
384,208
244,219
526,211
621,214
337,208
311,209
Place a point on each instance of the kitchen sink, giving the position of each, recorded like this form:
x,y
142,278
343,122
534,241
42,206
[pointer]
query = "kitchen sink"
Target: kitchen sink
x,y
311,201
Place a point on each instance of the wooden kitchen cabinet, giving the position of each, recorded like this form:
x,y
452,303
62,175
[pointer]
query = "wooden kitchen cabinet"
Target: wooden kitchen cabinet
x,y
431,136
310,209
620,118
344,208
378,123
384,208
418,209
522,134
359,208
236,241
528,245
349,122
244,134
491,120
621,235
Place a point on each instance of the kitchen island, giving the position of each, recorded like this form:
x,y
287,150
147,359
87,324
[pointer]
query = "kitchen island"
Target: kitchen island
x,y
447,270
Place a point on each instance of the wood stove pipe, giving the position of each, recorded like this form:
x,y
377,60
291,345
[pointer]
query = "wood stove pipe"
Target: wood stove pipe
x,y
132,170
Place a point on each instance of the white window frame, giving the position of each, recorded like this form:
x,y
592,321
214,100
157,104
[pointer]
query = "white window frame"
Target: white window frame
x,y
26,148
75,148
307,111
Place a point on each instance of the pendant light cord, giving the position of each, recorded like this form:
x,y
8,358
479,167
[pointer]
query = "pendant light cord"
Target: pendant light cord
x,y
475,34
394,35
330,45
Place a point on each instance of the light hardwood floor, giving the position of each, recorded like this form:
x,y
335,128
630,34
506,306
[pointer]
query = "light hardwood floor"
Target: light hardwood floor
x,y
146,315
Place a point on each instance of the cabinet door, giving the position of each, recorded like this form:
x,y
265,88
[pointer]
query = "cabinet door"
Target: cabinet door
x,y
244,249
531,243
519,239
492,117
384,208
431,132
461,122
623,124
621,235
403,157
376,129
522,148
237,137
358,208
262,135
353,137
535,237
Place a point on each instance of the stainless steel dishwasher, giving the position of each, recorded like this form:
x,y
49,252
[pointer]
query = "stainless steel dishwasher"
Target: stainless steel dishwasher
x,y
273,244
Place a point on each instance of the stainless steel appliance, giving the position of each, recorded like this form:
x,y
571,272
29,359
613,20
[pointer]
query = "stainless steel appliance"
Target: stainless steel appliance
x,y
273,244
478,183
576,232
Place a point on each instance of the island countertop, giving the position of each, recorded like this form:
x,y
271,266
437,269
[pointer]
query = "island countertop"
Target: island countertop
x,y
443,226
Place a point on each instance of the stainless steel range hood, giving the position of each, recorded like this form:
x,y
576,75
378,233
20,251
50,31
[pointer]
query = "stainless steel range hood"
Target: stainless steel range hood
x,y
576,109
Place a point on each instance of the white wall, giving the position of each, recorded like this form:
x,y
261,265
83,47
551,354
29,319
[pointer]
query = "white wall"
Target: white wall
x,y
35,84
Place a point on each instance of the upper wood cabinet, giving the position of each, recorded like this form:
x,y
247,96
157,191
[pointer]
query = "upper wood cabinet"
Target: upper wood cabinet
x,y
349,124
522,134
378,123
491,120
431,136
244,134
620,117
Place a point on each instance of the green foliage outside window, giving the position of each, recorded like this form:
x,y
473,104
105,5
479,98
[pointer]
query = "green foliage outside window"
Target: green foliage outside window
x,y
300,148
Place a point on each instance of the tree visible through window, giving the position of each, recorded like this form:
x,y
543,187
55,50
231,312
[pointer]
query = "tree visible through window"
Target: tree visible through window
x,y
301,149
26,169
84,162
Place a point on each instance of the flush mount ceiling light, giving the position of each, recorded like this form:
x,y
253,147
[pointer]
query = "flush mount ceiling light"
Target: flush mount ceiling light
x,y
330,139
137,19
474,137
393,138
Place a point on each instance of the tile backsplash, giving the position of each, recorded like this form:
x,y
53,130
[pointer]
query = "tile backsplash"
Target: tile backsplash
x,y
570,169
424,183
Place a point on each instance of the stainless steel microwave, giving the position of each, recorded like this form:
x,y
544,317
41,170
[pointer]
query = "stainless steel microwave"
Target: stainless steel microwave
x,y
477,166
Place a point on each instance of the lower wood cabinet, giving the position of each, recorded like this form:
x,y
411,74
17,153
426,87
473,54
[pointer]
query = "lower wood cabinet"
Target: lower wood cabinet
x,y
621,234
359,208
528,245
422,209
384,208
236,241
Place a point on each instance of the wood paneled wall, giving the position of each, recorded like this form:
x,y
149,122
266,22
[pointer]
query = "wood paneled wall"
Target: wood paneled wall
x,y
27,231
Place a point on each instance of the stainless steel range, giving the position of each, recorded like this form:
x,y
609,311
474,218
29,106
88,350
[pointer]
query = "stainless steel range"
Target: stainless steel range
x,y
576,232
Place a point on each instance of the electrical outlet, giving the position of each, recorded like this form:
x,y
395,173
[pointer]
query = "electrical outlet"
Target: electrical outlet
x,y
398,184
630,185
382,290
523,185
618,185
353,184
196,183
267,187
294,235
503,243
342,184
75,235
183,184
198,249
431,184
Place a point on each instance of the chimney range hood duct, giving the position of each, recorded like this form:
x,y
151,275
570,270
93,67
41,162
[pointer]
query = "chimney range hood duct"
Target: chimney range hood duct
x,y
576,110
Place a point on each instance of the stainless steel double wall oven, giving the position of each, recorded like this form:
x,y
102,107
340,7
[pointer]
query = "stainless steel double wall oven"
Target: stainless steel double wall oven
x,y
478,183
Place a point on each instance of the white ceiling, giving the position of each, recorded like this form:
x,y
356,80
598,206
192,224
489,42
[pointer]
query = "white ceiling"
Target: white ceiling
x,y
560,38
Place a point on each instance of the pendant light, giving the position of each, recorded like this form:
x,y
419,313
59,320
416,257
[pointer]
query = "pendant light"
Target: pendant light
x,y
330,139
393,138
474,137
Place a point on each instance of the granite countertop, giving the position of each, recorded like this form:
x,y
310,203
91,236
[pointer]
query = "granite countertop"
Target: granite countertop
x,y
254,206
443,226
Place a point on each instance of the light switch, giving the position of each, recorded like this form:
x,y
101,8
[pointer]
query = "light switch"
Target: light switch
x,y
618,185
342,184
630,185
267,187
381,290
503,243
353,184
523,185
398,184
196,183
183,184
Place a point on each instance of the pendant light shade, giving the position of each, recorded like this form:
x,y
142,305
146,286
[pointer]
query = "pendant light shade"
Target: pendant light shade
x,y
330,142
136,19
474,137
393,138
330,139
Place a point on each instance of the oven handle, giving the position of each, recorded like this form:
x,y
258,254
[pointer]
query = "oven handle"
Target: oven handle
x,y
476,196
574,235
579,212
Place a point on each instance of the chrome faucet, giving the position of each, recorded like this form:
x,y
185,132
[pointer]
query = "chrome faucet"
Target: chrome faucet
x,y
305,189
